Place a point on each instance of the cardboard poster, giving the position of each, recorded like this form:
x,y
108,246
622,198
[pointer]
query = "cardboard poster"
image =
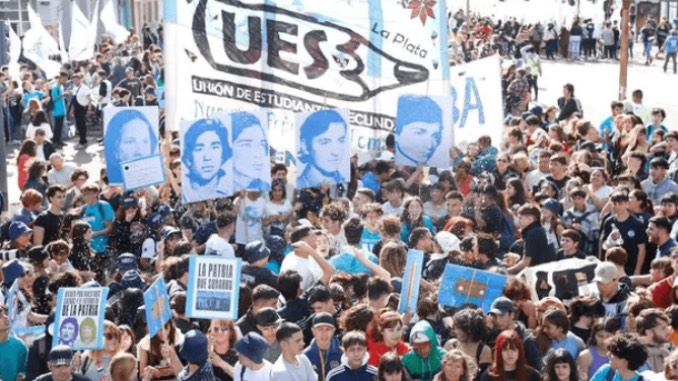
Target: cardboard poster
x,y
409,295
213,287
464,285
79,318
158,310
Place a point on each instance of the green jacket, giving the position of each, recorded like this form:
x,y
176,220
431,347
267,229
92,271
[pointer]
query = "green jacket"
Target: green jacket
x,y
424,369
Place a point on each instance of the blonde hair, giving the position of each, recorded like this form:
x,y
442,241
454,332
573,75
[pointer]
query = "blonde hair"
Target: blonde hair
x,y
467,363
122,367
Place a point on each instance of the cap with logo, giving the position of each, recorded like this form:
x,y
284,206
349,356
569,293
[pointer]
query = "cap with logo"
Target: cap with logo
x,y
126,262
502,305
256,251
323,318
60,355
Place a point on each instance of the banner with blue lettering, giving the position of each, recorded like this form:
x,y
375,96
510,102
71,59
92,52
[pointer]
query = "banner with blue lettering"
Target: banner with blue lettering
x,y
79,317
213,287
302,56
478,106
158,311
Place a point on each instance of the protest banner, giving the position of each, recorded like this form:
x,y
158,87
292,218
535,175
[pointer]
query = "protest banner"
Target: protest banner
x,y
563,279
206,159
409,294
251,161
13,303
464,285
303,56
323,148
131,134
478,107
423,131
79,317
157,302
213,287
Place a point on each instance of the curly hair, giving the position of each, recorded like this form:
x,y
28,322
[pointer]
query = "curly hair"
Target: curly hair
x,y
472,322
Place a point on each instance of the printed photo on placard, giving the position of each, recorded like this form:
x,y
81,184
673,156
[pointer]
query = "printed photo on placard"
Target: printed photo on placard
x,y
423,131
206,159
213,288
130,133
158,310
251,162
323,148
79,318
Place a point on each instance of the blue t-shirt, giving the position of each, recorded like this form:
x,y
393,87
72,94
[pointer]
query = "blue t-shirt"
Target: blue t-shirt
x,y
671,44
349,264
57,93
368,240
650,129
31,95
601,374
96,216
13,355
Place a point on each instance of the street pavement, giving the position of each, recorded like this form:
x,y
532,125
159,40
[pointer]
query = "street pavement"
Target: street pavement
x,y
595,82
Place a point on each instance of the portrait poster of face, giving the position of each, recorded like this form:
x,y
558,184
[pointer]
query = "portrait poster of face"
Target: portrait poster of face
x,y
323,148
157,303
251,162
79,318
130,134
423,131
213,287
206,159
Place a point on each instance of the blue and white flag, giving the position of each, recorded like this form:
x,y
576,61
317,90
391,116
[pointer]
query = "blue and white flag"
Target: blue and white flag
x,y
409,293
79,317
158,309
305,55
213,287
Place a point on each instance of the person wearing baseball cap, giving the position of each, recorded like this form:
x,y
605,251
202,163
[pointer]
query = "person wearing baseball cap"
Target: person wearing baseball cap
x,y
324,352
502,312
268,322
254,272
60,358
251,364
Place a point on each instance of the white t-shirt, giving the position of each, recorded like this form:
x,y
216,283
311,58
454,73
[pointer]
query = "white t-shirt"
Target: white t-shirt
x,y
263,374
273,209
216,245
390,210
30,131
284,371
601,193
81,94
249,226
303,266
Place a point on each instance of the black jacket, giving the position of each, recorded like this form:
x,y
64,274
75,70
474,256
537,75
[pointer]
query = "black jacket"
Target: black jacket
x,y
38,355
536,245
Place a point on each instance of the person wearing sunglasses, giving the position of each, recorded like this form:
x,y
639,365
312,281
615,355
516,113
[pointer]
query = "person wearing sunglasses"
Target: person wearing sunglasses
x,y
95,364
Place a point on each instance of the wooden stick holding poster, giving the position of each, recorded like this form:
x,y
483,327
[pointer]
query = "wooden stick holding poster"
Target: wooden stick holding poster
x,y
409,295
464,285
79,318
213,287
157,302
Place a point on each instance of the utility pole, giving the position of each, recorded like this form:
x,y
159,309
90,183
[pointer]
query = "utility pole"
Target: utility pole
x,y
3,163
468,8
624,54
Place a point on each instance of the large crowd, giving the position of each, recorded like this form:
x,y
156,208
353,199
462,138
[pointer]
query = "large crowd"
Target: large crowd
x,y
323,267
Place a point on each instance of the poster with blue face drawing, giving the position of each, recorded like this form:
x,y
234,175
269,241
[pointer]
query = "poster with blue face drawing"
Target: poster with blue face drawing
x,y
131,135
323,148
157,303
251,162
79,317
423,131
460,286
213,288
206,159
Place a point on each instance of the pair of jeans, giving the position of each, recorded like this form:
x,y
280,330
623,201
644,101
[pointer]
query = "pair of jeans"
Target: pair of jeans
x,y
671,56
647,50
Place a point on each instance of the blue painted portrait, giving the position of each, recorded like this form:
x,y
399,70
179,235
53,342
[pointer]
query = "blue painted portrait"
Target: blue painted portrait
x,y
205,156
130,135
68,331
418,129
251,162
324,150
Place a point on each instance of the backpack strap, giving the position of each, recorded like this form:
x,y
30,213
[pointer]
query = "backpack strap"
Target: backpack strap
x,y
244,369
610,375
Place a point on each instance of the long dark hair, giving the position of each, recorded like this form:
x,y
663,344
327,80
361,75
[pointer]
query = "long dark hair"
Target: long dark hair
x,y
389,364
560,356
520,196
29,147
40,118
405,217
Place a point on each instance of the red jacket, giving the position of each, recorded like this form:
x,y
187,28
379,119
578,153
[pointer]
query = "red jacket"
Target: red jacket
x,y
376,349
